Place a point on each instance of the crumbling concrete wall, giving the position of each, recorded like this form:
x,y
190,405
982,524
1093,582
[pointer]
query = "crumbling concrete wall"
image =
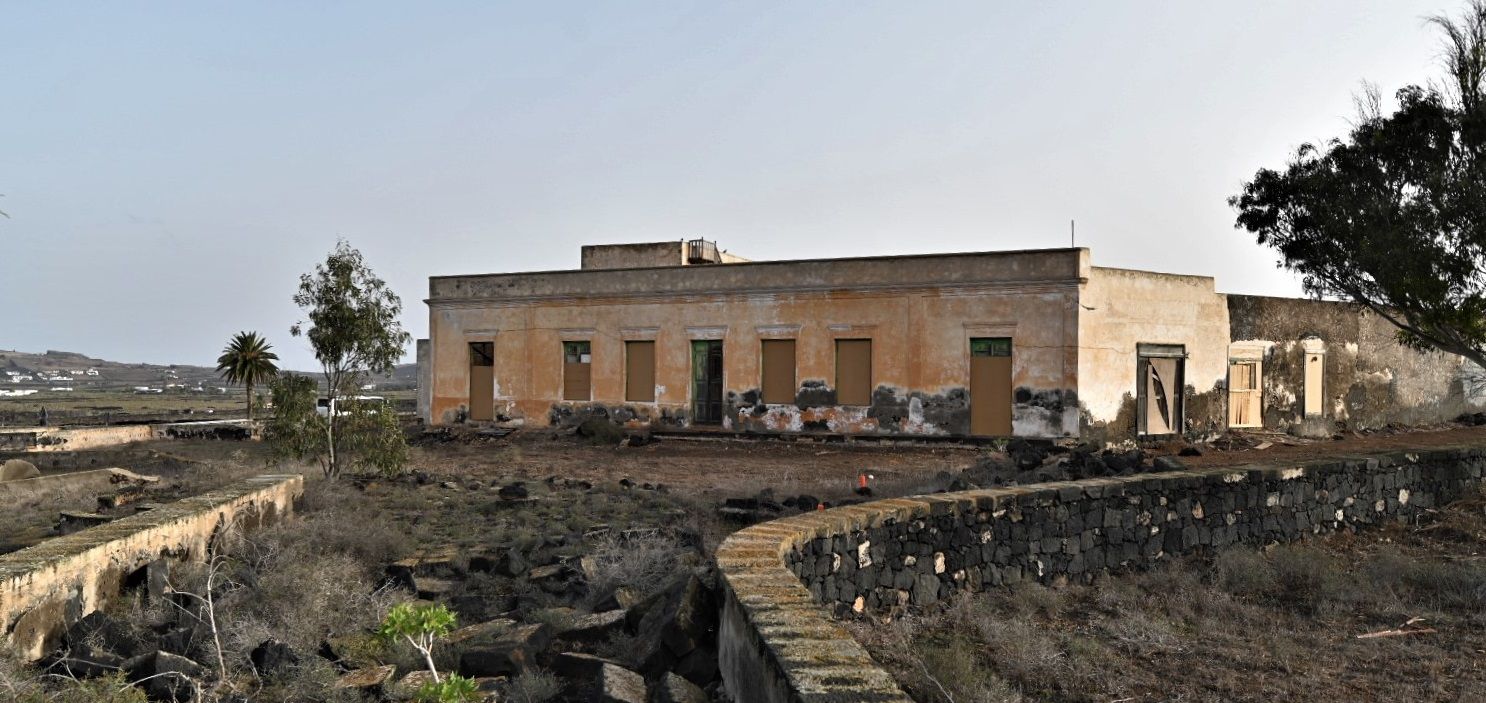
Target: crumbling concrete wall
x,y
778,642
1121,309
46,588
50,439
238,430
1369,379
919,312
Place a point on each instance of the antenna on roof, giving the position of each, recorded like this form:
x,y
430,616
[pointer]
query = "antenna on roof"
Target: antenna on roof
x,y
1071,231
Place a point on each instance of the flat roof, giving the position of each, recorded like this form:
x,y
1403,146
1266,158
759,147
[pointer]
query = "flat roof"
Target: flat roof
x,y
773,262
992,268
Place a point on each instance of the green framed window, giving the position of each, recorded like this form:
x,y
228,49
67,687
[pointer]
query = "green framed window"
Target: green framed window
x,y
990,346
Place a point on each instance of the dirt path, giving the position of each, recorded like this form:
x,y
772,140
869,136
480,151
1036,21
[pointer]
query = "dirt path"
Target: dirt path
x,y
705,468
1286,449
715,468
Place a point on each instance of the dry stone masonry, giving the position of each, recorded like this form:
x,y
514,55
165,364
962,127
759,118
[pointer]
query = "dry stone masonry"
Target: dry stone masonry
x,y
778,642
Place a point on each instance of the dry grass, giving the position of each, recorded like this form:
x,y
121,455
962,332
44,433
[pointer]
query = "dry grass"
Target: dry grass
x,y
533,686
1242,626
644,562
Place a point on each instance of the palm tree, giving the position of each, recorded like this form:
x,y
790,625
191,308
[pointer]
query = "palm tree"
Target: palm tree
x,y
247,360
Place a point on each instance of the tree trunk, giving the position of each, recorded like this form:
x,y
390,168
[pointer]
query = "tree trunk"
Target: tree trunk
x,y
249,384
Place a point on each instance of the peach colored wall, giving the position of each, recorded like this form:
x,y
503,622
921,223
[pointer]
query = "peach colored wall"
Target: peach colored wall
x,y
920,340
1121,309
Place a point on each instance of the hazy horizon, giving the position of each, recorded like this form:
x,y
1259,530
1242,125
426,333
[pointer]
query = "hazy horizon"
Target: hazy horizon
x,y
170,170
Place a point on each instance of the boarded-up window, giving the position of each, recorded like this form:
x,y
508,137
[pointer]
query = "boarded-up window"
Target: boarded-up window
x,y
779,370
639,371
577,379
1244,394
854,371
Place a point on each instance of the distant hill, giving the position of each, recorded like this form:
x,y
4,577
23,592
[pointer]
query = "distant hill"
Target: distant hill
x,y
53,369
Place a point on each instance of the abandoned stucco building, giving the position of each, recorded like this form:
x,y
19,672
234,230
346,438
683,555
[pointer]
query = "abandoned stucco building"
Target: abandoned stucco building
x,y
1017,343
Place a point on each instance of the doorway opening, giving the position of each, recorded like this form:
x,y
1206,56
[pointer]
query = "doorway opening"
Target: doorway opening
x,y
706,381
482,381
1160,374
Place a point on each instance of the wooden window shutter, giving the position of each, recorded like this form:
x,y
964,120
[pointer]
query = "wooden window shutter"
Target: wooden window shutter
x,y
779,371
854,371
639,372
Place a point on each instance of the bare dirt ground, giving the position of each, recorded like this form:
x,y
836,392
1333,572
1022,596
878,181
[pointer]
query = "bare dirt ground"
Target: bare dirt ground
x,y
715,468
703,468
1286,449
701,472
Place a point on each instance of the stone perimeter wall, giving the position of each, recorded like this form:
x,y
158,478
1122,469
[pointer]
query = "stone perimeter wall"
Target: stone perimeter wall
x,y
778,643
51,585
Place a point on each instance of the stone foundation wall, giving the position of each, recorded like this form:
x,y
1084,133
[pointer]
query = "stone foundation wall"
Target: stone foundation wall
x,y
45,588
778,642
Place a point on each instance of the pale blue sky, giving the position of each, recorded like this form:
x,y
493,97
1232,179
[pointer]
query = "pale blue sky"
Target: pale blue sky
x,y
170,169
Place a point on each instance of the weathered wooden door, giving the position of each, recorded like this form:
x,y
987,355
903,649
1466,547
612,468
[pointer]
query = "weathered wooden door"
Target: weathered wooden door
x,y
1245,395
706,381
1315,368
1160,378
990,387
482,381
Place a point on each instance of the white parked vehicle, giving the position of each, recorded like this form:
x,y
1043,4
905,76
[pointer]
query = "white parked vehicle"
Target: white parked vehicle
x,y
322,405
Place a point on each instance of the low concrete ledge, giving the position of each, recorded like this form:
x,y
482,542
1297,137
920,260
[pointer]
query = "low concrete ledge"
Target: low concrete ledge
x,y
51,439
58,439
13,493
207,429
45,588
779,643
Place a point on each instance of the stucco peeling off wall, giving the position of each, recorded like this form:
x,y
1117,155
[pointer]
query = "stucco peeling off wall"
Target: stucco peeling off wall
x,y
51,439
783,578
46,587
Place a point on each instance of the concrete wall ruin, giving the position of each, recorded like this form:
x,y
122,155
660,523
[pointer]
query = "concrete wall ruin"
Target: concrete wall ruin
x,y
1369,379
46,588
66,439
51,439
919,313
778,641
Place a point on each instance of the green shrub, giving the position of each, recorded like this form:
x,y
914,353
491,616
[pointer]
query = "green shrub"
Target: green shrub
x,y
451,689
